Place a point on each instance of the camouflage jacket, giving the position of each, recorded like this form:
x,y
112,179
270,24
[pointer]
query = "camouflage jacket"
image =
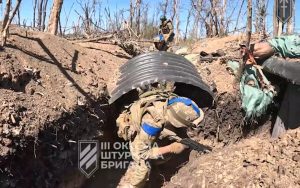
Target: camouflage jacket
x,y
166,27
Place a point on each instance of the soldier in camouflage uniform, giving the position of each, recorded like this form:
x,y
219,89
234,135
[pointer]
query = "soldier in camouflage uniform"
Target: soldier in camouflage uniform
x,y
166,29
155,115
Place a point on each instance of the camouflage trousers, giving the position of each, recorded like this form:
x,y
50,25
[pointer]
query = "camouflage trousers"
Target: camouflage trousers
x,y
139,170
143,147
142,151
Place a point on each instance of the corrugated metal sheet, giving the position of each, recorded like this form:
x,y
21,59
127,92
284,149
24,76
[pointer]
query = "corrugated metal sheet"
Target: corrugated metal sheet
x,y
161,66
288,69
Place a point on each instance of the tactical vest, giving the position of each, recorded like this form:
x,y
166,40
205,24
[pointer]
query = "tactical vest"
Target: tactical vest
x,y
165,28
138,109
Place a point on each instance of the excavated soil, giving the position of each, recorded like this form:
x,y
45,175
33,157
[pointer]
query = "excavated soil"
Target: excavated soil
x,y
223,125
254,162
54,92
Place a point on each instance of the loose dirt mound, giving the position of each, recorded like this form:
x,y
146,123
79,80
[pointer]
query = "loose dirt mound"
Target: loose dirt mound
x,y
253,162
212,44
224,122
53,93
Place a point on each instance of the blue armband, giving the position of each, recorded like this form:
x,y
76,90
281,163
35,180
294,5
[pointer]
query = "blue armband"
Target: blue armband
x,y
186,101
152,131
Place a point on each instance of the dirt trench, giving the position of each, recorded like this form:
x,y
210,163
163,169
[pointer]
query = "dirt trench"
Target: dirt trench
x,y
52,155
51,158
53,93
43,114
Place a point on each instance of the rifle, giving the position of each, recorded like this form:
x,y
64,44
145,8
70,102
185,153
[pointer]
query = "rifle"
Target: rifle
x,y
192,144
185,141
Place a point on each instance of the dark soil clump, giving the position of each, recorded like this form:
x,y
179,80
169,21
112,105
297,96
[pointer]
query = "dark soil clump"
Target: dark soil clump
x,y
51,158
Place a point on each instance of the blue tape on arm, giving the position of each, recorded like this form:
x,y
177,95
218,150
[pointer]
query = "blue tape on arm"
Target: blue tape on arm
x,y
185,101
152,131
161,37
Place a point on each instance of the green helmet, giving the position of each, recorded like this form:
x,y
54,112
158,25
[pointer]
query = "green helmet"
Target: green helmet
x,y
163,18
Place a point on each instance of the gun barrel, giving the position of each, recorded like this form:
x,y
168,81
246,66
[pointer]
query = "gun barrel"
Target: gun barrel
x,y
191,144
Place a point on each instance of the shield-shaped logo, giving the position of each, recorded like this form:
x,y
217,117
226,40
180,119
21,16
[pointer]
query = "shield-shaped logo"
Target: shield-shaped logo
x,y
284,9
88,157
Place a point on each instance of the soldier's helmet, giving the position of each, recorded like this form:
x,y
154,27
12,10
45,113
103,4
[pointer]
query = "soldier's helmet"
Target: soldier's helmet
x,y
183,112
163,18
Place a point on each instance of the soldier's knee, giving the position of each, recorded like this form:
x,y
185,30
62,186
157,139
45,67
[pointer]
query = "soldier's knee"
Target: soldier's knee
x,y
140,174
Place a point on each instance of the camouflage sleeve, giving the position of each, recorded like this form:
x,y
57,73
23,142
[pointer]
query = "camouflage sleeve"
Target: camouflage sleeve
x,y
141,151
160,29
170,26
286,46
142,145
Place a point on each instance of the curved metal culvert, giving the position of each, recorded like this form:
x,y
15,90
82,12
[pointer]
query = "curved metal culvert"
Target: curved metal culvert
x,y
153,67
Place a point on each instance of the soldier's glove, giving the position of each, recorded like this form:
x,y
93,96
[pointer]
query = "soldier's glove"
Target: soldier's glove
x,y
176,148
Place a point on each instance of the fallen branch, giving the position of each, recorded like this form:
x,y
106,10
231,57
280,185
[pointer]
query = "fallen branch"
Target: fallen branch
x,y
210,59
130,47
151,41
110,36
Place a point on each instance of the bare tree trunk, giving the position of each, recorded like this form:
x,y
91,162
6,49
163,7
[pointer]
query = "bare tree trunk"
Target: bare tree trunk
x,y
4,31
201,8
264,32
260,18
176,10
237,21
116,20
214,16
196,26
290,23
275,20
138,16
87,20
131,14
187,24
34,13
6,15
109,19
54,16
145,29
249,23
40,10
165,7
222,18
196,6
210,28
44,15
59,25
67,19
18,16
